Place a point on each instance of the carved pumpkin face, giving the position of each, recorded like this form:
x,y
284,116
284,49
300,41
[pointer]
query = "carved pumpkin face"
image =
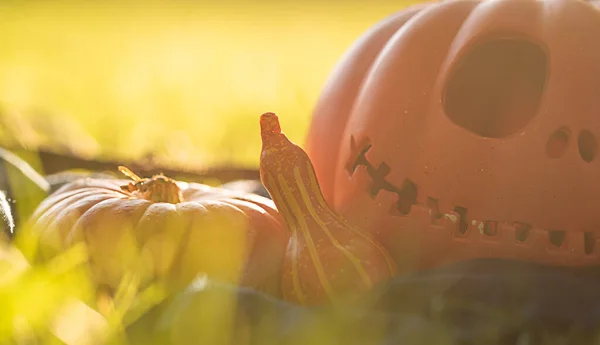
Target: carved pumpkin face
x,y
468,129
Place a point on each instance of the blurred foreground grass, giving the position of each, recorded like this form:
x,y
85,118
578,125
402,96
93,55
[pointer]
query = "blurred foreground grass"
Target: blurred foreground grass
x,y
182,80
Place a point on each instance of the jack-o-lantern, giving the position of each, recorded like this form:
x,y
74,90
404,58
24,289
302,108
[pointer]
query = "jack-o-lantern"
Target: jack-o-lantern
x,y
467,129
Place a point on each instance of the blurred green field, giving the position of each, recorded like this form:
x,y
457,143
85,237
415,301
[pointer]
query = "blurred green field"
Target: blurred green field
x,y
184,81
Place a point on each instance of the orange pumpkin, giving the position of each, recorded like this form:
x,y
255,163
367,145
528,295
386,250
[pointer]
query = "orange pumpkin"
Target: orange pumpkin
x,y
468,129
162,228
327,259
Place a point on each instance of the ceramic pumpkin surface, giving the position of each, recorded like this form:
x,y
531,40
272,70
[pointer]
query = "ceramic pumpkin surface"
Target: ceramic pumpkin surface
x,y
164,229
327,259
467,129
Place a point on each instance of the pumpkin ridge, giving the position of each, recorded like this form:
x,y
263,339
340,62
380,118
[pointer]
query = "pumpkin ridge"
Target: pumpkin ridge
x,y
271,209
51,202
79,233
261,246
50,226
336,100
176,265
44,212
71,236
142,234
86,205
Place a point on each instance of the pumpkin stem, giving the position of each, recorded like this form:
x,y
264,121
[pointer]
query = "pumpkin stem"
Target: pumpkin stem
x,y
159,188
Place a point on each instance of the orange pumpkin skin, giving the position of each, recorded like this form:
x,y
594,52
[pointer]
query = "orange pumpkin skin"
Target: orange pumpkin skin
x,y
327,259
230,236
466,129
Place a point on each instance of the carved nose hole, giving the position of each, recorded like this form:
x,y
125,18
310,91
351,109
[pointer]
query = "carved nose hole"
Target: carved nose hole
x,y
496,87
556,237
587,144
558,142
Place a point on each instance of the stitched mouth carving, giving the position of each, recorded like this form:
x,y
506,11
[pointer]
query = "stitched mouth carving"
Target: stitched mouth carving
x,y
407,193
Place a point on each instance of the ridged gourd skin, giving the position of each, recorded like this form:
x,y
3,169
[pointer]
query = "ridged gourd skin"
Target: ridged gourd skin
x,y
464,129
165,229
327,259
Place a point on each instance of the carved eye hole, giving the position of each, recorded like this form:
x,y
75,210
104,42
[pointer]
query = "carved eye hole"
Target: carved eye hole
x,y
495,88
